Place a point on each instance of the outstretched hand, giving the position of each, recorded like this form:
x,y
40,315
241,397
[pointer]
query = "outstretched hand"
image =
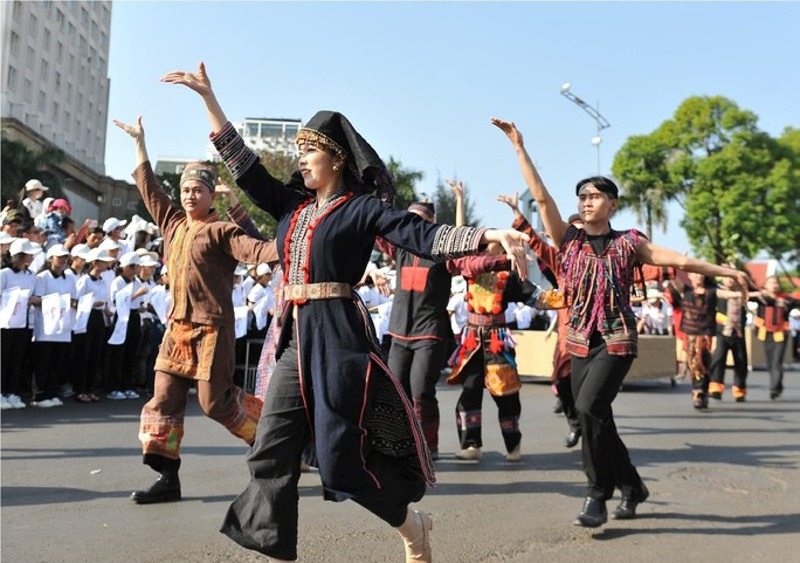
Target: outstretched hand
x,y
515,245
511,201
510,130
197,81
458,188
136,131
745,283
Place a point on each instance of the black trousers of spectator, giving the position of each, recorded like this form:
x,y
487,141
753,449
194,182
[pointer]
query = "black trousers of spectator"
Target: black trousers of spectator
x,y
50,363
15,345
469,418
719,359
418,365
774,351
86,351
122,357
596,380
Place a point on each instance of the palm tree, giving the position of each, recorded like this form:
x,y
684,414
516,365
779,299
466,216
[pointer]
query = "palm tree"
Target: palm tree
x,y
19,164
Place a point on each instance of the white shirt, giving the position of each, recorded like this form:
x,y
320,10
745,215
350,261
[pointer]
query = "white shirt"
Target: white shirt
x,y
45,285
119,283
458,307
9,279
523,316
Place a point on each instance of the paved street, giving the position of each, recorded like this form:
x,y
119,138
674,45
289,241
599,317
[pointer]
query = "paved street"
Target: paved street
x,y
723,488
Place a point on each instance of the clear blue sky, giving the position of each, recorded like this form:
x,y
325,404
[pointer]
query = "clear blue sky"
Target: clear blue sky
x,y
421,80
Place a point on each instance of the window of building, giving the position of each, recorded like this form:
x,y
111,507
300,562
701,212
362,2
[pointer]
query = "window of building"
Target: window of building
x,y
58,81
103,40
271,130
84,17
71,63
69,92
33,25
67,122
13,47
11,78
27,91
59,51
16,10
116,202
30,57
54,113
106,15
291,131
252,129
46,39
44,71
60,20
80,102
40,104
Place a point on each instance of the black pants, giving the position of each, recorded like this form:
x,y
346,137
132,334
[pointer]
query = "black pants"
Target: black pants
x,y
15,345
595,383
738,349
418,365
264,517
564,389
86,352
50,361
122,357
774,351
469,418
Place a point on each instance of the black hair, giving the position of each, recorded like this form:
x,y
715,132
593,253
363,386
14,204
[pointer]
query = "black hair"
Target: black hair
x,y
601,183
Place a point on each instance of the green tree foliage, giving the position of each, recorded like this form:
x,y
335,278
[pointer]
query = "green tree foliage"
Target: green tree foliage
x,y
645,188
737,185
19,164
445,203
405,180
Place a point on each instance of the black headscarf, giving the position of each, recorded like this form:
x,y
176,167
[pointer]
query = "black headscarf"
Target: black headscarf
x,y
367,172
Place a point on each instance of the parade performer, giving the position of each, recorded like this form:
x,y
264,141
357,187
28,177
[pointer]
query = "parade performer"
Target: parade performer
x,y
596,264
331,383
198,346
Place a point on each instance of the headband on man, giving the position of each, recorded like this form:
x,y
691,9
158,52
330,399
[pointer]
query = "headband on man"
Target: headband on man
x,y
200,172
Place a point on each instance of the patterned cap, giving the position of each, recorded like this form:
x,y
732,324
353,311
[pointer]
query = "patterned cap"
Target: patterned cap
x,y
201,172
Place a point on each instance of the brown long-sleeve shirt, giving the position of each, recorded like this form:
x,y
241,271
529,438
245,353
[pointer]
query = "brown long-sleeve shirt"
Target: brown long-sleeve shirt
x,y
201,256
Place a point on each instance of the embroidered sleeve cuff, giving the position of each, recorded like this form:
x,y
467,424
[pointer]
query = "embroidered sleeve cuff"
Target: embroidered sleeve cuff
x,y
232,150
236,213
453,242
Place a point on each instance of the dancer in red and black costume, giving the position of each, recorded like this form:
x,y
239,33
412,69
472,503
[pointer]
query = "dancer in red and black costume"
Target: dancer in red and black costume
x,y
596,264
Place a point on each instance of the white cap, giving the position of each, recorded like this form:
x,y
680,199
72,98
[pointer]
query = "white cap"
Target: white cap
x,y
241,270
57,250
97,254
6,238
35,184
23,245
80,251
130,259
263,269
152,228
46,204
108,244
458,284
147,261
164,270
112,223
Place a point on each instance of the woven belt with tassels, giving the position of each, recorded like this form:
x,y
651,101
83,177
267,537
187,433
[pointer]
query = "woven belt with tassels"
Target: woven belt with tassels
x,y
312,291
479,319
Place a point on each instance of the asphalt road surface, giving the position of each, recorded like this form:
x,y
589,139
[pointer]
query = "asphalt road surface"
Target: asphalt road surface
x,y
723,483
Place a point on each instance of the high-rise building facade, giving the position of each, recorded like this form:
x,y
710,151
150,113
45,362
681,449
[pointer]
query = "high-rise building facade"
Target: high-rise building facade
x,y
265,134
55,73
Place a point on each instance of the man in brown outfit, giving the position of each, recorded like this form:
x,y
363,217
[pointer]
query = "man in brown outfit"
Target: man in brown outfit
x,y
199,345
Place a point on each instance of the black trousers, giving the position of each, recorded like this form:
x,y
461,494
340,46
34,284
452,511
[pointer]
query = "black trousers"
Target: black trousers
x,y
595,383
15,345
774,351
86,351
122,357
418,365
469,416
264,517
738,349
50,362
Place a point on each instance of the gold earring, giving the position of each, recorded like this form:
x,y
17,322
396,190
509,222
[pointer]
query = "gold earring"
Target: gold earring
x,y
335,168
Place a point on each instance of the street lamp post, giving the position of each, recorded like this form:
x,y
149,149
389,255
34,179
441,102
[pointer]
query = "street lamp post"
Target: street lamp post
x,y
601,121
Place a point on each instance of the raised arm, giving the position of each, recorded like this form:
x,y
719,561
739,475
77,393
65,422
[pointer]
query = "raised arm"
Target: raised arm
x,y
200,83
650,253
458,192
137,132
555,226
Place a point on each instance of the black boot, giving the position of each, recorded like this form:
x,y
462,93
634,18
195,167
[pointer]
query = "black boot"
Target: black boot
x,y
594,514
626,510
572,438
167,487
